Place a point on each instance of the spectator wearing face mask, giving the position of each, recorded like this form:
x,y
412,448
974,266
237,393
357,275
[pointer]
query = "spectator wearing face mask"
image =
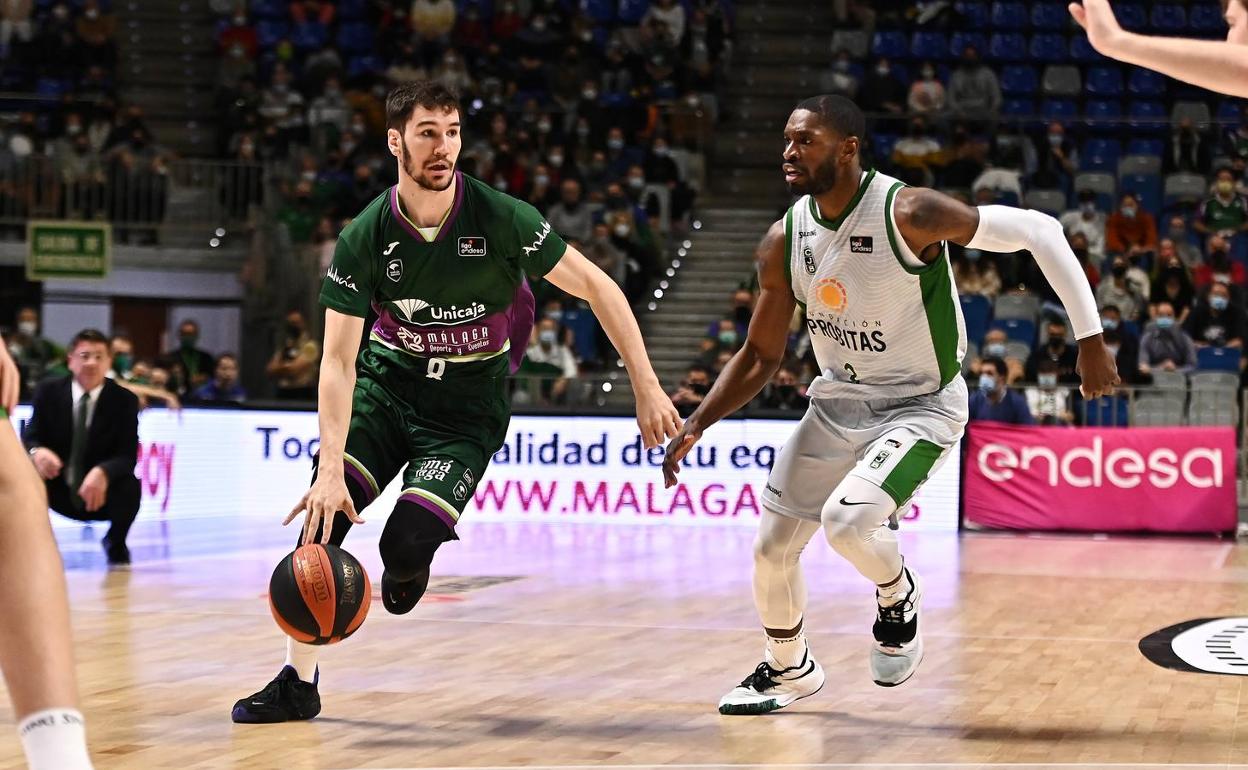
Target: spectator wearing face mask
x,y
724,339
918,151
1088,221
841,80
195,365
974,91
224,387
1172,283
602,252
741,312
1165,346
995,345
1056,349
1116,290
1079,245
1225,213
571,217
1130,231
34,354
1049,402
782,392
994,401
693,388
927,94
1219,266
1058,160
548,357
1186,243
1123,344
882,91
1217,321
974,273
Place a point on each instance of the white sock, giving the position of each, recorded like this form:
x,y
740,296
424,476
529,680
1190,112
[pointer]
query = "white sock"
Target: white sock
x,y
55,739
303,658
786,653
896,591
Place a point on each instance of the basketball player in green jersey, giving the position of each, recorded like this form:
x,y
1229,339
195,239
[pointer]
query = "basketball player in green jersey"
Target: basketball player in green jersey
x,y
865,257
441,259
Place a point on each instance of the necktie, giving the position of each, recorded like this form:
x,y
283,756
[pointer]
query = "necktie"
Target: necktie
x,y
78,449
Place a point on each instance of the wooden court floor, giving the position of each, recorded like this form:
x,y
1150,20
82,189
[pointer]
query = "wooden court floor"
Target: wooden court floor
x,y
557,645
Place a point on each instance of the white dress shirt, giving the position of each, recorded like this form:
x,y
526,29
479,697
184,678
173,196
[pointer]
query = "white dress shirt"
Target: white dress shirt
x,y
77,391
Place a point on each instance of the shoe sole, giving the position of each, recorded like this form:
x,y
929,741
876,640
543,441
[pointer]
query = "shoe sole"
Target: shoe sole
x,y
250,719
766,707
906,678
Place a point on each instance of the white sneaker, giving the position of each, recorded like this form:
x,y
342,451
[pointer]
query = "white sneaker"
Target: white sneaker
x,y
898,646
768,689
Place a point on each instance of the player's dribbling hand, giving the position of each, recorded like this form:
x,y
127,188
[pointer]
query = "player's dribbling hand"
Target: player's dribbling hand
x,y
656,416
677,448
327,495
1096,368
1097,18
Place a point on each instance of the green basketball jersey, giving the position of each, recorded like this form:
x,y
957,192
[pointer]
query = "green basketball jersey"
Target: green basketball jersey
x,y
459,297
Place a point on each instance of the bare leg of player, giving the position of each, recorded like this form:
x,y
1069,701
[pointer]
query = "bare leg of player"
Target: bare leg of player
x,y
36,647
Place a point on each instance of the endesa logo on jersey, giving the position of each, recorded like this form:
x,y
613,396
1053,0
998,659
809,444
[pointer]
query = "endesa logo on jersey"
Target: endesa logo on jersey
x,y
1157,479
472,247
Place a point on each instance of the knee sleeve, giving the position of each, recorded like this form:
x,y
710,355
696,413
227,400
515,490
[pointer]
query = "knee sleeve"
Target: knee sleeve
x,y
853,522
411,537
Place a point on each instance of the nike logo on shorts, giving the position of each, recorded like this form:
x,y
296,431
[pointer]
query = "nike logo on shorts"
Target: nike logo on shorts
x,y
846,502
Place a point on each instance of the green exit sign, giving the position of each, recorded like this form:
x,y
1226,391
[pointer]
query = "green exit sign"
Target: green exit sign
x,y
63,249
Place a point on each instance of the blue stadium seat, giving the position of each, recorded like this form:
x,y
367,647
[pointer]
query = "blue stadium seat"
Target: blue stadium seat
x,y
601,11
883,144
891,43
1229,111
1139,146
1017,329
1048,47
368,64
1063,110
977,311
1145,83
309,36
1104,412
1218,359
270,33
352,10
1130,16
1103,81
1147,188
1103,114
958,42
974,14
1206,18
1148,116
51,87
355,37
630,12
1018,108
1007,46
1100,155
1009,15
1081,50
1019,80
1169,18
929,45
1051,16
267,9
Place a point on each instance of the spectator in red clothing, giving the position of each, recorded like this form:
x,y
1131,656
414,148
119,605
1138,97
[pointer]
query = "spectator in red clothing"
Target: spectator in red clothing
x,y
1131,231
1218,266
239,33
507,22
303,11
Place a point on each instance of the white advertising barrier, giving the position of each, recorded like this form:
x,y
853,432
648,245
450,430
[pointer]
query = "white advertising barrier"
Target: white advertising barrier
x,y
579,469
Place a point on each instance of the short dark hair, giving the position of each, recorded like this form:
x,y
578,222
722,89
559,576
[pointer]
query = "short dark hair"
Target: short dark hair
x,y
1056,321
403,100
1107,308
89,336
190,321
698,367
1046,364
837,113
997,363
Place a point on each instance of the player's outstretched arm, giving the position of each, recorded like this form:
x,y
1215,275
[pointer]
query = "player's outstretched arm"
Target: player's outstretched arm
x,y
757,360
328,494
1217,65
926,217
656,414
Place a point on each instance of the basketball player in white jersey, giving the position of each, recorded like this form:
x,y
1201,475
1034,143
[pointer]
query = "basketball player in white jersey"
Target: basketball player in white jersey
x,y
865,256
1212,64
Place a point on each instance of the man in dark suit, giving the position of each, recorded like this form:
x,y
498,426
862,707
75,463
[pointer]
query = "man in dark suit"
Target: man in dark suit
x,y
83,438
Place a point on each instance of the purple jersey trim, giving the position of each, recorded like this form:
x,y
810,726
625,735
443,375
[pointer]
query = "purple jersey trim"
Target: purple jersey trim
x,y
430,506
446,223
520,317
484,335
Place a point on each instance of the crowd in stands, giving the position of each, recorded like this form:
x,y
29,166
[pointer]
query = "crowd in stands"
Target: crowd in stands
x,y
1155,209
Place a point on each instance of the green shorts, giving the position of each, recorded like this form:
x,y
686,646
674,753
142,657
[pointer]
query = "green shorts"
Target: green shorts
x,y
445,429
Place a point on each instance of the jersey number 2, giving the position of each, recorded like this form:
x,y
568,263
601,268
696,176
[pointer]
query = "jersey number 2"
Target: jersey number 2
x,y
437,367
853,376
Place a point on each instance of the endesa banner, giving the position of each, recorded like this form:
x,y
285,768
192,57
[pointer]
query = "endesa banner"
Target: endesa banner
x,y
1093,479
579,469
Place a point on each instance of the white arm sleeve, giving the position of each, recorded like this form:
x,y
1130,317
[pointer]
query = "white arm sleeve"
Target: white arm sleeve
x,y
1007,229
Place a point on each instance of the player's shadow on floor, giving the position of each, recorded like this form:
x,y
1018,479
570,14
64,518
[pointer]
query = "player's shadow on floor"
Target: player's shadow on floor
x,y
502,727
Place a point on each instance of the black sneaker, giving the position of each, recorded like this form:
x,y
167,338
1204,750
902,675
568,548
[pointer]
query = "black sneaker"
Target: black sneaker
x,y
400,597
118,554
286,699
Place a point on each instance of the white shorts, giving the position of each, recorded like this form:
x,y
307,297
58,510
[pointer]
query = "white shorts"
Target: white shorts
x,y
892,443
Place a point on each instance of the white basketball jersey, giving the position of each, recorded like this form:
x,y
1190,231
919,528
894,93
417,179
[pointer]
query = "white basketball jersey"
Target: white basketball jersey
x,y
882,324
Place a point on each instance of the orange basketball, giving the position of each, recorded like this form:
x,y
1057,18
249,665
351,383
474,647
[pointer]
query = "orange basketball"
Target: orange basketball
x,y
319,594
